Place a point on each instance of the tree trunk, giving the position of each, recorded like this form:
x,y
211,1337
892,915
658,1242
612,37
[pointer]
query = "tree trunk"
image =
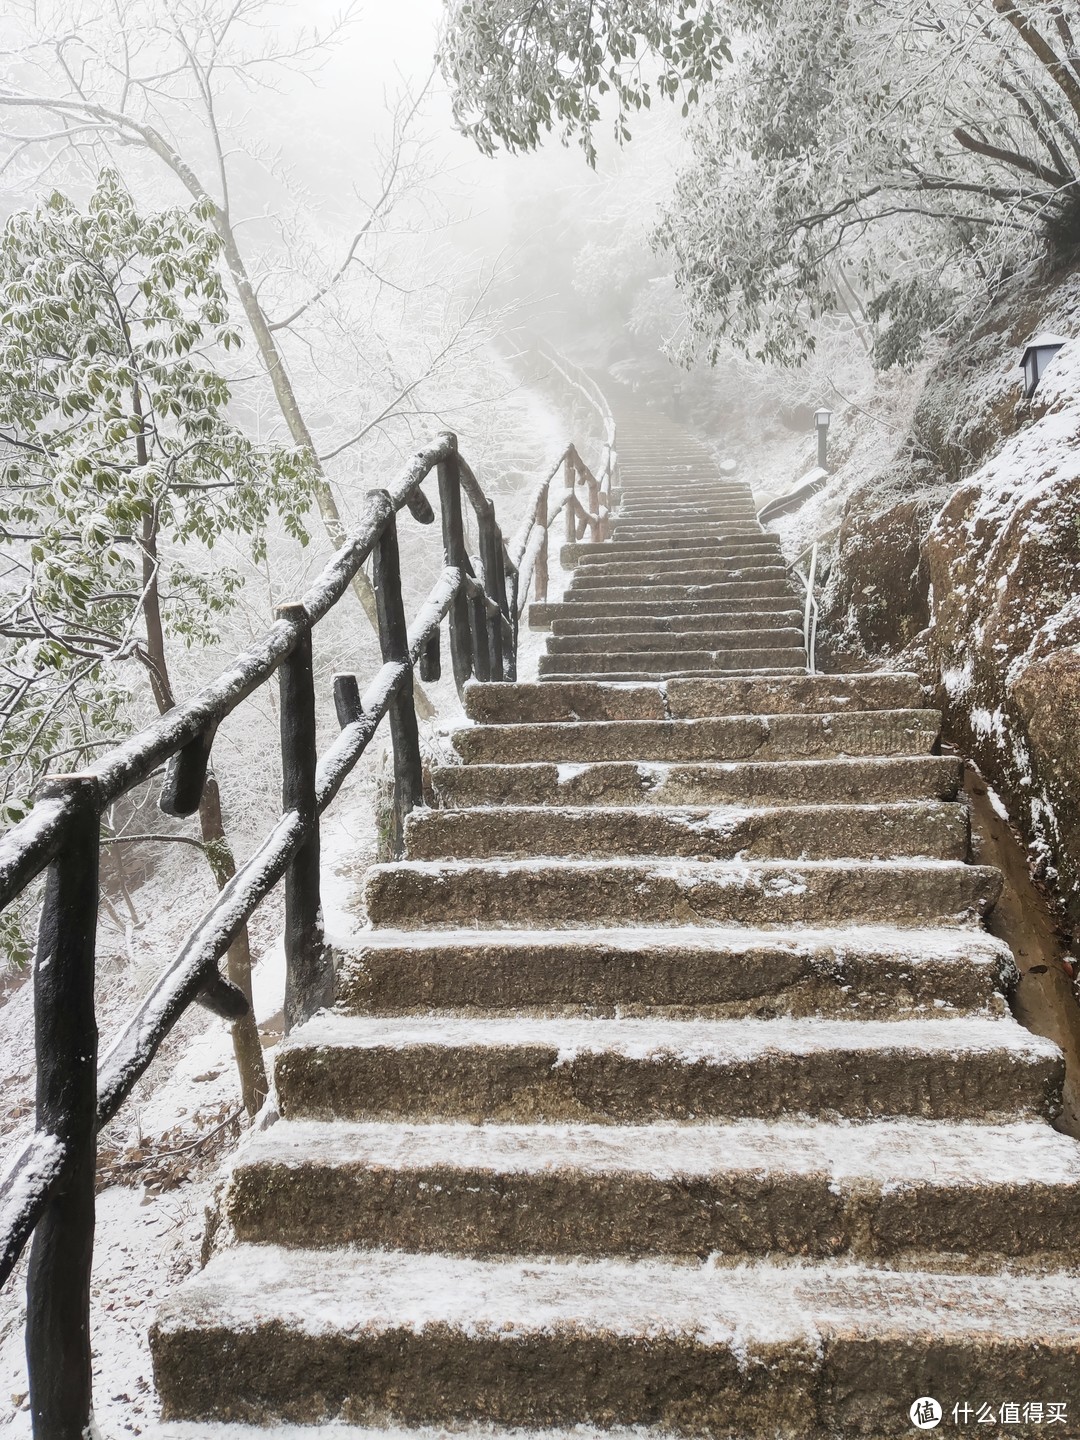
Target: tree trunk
x,y
275,368
247,1046
298,429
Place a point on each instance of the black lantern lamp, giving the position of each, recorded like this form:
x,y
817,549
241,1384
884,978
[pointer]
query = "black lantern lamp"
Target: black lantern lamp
x,y
1040,350
822,419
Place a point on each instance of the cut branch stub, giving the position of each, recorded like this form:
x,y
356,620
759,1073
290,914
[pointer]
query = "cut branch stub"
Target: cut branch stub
x,y
431,658
222,997
185,776
420,506
347,699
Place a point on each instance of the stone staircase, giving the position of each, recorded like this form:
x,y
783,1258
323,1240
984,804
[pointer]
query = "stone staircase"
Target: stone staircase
x,y
689,585
672,1085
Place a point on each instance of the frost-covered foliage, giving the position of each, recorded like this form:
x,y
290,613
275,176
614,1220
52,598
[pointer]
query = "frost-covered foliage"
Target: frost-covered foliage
x,y
119,469
885,157
519,73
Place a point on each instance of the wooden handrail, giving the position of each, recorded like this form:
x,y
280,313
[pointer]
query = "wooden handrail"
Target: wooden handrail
x,y
49,1185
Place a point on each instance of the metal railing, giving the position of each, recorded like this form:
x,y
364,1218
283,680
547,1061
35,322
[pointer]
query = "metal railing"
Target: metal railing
x,y
48,1190
810,605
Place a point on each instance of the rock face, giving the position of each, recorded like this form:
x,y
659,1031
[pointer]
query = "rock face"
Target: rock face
x,y
881,589
1004,642
961,559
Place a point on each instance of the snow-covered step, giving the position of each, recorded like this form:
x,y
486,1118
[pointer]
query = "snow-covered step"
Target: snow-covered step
x,y
774,636
817,694
854,972
797,782
642,1070
585,553
778,588
707,669
824,1349
934,828
658,891
886,1192
718,621
663,662
764,570
724,529
727,737
663,569
541,616
669,547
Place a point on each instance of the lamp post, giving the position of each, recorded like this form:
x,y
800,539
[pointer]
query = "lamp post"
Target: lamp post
x,y
1038,353
822,418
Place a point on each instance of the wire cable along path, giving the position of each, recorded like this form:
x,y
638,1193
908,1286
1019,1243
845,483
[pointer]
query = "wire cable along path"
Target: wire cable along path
x,y
670,1082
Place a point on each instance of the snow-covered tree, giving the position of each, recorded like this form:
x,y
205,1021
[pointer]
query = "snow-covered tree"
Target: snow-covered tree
x,y
882,156
119,469
521,72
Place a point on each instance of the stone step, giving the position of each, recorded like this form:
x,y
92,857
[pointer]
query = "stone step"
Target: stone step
x,y
600,641
691,491
635,534
346,1067
673,519
689,520
858,972
796,782
716,621
669,661
676,520
691,699
660,676
884,1192
648,571
690,503
748,581
573,893
222,1430
758,568
543,613
689,515
776,587
873,690
936,829
725,737
678,477
674,541
692,487
610,551
814,1350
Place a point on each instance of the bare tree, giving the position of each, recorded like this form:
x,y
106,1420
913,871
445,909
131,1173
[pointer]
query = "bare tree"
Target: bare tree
x,y
135,79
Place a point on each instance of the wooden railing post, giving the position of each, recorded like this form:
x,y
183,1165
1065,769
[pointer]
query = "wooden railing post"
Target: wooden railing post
x,y
569,476
394,638
594,505
490,547
65,1036
309,969
454,552
481,640
540,567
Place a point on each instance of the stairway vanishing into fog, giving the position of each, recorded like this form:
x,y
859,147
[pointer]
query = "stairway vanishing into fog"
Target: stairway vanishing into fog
x,y
673,1083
